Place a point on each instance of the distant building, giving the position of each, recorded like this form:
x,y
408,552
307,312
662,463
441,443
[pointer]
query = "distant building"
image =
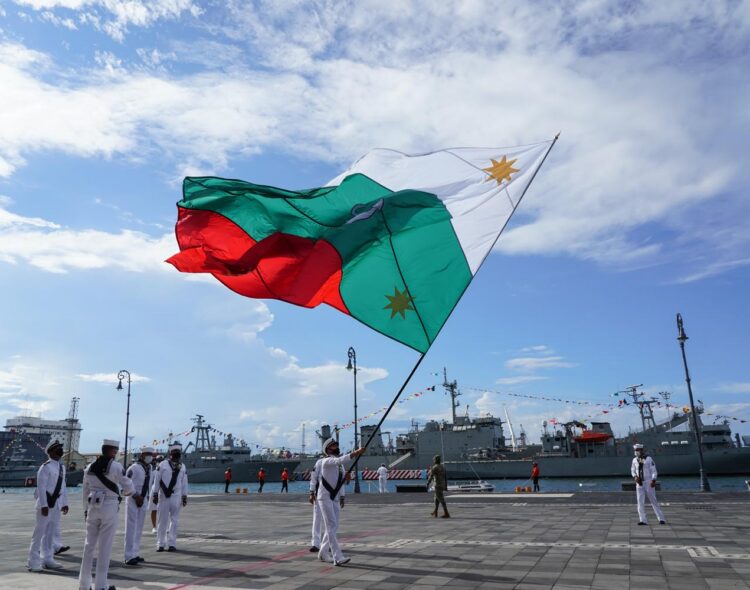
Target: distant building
x,y
67,432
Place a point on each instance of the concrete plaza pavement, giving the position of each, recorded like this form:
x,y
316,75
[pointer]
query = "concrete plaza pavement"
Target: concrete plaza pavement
x,y
503,541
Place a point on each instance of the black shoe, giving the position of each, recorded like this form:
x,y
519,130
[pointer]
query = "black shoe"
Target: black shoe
x,y
172,549
662,522
62,549
139,558
133,561
160,549
314,549
642,524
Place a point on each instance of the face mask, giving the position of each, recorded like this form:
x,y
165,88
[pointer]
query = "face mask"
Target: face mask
x,y
147,459
176,457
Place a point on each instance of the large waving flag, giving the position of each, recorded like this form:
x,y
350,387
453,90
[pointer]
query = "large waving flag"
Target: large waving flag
x,y
394,241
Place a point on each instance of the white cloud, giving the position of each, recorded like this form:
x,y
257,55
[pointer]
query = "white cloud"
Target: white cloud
x,y
636,91
736,387
532,363
110,378
115,16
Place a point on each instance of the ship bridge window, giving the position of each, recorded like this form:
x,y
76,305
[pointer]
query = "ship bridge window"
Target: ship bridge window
x,y
675,442
684,442
665,443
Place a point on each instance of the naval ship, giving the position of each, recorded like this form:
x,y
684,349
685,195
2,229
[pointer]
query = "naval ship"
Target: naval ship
x,y
206,461
476,448
21,454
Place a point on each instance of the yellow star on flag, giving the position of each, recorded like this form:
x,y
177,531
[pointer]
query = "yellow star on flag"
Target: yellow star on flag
x,y
501,170
400,302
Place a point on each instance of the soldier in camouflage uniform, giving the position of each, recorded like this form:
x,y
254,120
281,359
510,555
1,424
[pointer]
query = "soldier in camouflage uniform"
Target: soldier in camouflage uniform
x,y
438,475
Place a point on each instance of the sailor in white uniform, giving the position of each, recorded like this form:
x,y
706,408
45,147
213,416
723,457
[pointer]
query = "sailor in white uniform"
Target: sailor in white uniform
x,y
317,524
102,482
137,505
170,495
51,500
643,470
331,475
383,478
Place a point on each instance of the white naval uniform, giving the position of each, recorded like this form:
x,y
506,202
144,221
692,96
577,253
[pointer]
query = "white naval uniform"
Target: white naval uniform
x,y
42,550
317,521
102,505
135,516
329,470
383,479
641,491
168,509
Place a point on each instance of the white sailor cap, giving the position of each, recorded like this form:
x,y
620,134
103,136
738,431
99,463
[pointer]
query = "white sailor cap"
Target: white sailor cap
x,y
108,442
175,446
147,450
53,442
328,443
637,446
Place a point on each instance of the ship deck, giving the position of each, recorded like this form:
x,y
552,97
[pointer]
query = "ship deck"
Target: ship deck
x,y
504,541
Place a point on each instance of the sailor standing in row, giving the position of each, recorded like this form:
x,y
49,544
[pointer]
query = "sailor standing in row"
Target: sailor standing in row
x,y
643,470
170,495
331,476
136,505
102,481
51,499
383,478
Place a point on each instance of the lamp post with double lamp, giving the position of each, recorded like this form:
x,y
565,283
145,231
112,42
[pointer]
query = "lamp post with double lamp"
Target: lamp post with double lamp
x,y
682,337
352,366
120,376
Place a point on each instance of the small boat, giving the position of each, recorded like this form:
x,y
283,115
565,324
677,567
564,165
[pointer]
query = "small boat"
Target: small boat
x,y
478,486
588,436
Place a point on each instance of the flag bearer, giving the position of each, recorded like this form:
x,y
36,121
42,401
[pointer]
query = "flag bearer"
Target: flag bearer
x,y
331,477
170,495
102,482
51,500
643,470
136,505
383,478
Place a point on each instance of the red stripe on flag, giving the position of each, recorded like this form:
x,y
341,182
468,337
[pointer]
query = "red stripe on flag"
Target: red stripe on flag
x,y
282,266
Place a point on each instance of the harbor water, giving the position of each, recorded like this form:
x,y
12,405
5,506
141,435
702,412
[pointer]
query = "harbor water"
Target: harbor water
x,y
600,484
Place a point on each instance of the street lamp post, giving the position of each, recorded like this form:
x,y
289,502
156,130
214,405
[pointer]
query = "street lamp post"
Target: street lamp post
x,y
682,337
120,376
352,366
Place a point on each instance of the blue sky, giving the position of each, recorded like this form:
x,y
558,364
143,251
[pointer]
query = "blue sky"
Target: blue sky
x,y
640,212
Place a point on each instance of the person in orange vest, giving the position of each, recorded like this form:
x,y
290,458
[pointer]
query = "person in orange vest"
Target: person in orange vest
x,y
535,476
227,479
285,480
261,479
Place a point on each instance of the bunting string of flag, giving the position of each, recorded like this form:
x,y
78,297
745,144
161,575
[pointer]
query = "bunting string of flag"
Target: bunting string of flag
x,y
409,397
540,397
21,433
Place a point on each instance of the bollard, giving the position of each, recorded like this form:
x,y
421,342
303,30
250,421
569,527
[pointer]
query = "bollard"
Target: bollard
x,y
244,490
237,491
518,489
528,489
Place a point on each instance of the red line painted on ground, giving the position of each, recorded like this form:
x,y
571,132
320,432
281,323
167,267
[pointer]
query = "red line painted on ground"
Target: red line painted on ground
x,y
269,562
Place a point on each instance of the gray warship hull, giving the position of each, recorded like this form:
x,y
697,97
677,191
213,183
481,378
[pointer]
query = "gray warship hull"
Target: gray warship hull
x,y
25,477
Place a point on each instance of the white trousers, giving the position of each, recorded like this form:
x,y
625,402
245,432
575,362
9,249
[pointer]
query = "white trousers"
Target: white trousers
x,y
382,481
329,546
101,526
641,492
56,536
317,526
134,518
42,549
167,520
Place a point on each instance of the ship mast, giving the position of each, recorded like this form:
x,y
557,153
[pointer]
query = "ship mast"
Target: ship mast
x,y
202,440
451,388
644,406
